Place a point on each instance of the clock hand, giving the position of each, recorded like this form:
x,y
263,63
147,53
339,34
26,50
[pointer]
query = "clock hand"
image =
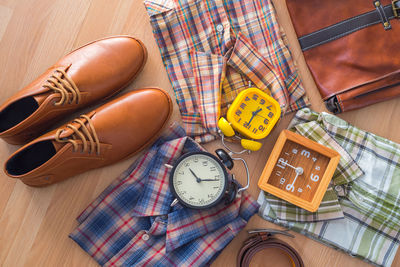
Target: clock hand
x,y
212,180
298,170
290,187
197,178
254,113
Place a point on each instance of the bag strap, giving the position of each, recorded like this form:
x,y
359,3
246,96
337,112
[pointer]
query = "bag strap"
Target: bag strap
x,y
381,14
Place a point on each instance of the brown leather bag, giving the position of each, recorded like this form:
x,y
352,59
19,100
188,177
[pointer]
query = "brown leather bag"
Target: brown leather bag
x,y
352,49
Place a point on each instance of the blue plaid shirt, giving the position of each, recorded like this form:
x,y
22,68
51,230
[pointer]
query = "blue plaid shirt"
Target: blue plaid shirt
x,y
132,223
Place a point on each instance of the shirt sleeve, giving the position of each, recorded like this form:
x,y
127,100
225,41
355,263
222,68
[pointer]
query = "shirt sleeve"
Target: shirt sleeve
x,y
246,59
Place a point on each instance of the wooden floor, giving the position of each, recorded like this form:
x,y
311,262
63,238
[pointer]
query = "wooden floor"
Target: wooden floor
x,y
34,223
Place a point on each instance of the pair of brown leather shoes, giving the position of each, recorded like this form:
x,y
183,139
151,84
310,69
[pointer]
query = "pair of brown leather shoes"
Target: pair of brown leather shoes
x,y
103,136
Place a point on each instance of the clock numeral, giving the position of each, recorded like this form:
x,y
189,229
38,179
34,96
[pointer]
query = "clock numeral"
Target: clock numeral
x,y
210,195
314,159
278,173
191,198
269,108
317,168
305,153
294,151
308,186
314,178
215,187
282,181
261,128
247,98
181,173
270,114
299,190
243,105
216,176
283,161
201,201
254,130
238,112
290,187
266,121
179,183
195,160
239,119
213,169
183,192
255,97
205,163
187,164
262,101
247,125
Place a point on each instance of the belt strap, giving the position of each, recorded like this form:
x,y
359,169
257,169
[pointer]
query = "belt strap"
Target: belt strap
x,y
381,14
263,239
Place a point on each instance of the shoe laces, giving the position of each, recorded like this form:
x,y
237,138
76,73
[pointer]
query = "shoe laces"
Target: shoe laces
x,y
86,133
60,82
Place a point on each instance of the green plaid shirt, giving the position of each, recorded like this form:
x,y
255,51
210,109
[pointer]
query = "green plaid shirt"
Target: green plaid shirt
x,y
360,212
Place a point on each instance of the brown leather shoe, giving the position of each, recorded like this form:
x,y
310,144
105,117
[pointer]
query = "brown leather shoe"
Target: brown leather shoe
x,y
103,136
88,74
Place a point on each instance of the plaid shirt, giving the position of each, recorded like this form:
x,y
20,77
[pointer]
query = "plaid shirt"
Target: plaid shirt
x,y
132,224
360,213
212,49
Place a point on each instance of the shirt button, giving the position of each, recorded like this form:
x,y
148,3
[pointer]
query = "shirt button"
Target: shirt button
x,y
338,188
145,237
220,28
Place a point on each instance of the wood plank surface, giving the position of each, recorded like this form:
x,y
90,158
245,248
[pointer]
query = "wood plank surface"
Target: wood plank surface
x,y
35,222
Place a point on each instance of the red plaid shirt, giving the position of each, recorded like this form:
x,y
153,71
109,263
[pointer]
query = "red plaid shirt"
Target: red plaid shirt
x,y
212,49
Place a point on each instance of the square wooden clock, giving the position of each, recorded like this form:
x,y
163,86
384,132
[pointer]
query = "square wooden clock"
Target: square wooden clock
x,y
299,170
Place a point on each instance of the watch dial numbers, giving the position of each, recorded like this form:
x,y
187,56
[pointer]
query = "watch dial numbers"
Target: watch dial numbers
x,y
314,178
282,181
290,187
305,153
199,180
247,125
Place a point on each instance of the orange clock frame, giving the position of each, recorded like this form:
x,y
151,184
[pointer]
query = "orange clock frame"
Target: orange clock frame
x,y
312,205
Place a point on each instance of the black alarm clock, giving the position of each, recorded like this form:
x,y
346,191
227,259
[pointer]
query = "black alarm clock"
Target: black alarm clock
x,y
199,180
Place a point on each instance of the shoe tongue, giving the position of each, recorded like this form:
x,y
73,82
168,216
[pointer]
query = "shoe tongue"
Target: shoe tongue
x,y
41,98
58,145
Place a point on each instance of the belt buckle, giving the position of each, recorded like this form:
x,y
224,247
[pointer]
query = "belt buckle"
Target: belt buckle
x,y
270,232
396,8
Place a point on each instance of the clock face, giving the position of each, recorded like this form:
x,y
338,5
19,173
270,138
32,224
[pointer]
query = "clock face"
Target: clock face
x,y
198,180
298,170
254,113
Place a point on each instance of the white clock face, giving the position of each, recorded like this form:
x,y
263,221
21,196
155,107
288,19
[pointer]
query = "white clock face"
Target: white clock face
x,y
199,180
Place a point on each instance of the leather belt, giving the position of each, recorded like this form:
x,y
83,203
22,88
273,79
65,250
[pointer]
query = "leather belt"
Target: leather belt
x,y
264,239
381,14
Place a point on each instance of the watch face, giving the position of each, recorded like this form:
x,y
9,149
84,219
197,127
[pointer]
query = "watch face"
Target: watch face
x,y
298,170
254,113
198,180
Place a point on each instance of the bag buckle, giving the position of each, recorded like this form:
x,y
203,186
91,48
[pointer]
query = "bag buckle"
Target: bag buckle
x,y
396,8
